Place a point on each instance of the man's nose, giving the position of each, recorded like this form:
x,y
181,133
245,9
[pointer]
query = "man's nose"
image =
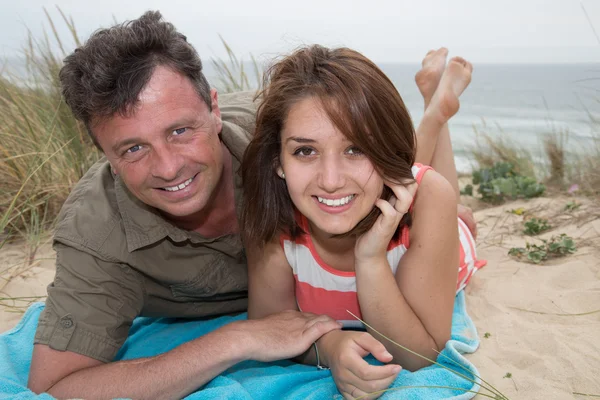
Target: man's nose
x,y
167,163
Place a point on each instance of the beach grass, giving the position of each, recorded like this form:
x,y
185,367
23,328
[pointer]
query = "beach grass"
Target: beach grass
x,y
567,164
44,151
490,391
232,75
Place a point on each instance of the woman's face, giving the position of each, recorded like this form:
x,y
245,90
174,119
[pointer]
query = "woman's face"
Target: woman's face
x,y
329,180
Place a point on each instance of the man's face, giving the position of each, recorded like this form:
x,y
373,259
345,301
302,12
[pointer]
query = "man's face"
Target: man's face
x,y
167,152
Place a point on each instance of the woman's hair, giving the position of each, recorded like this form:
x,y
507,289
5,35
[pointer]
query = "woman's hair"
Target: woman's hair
x,y
360,101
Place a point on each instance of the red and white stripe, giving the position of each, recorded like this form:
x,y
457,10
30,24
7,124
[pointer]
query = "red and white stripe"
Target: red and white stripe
x,y
321,289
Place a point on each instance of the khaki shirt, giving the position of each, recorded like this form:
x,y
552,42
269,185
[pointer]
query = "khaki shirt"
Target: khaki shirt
x,y
117,258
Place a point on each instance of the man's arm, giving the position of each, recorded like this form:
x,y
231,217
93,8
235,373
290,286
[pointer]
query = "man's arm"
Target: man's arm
x,y
65,374
89,310
181,371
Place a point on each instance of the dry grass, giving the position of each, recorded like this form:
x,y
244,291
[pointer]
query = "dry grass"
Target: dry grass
x,y
554,148
44,151
490,149
231,74
566,162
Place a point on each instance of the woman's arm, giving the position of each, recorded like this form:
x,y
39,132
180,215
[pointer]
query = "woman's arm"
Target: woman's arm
x,y
271,286
271,290
414,308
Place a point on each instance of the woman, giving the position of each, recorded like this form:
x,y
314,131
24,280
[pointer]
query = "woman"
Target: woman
x,y
342,211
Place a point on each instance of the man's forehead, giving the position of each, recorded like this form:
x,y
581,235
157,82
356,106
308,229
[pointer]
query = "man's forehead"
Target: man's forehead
x,y
165,79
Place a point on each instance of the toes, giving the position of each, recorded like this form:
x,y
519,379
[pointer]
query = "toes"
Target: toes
x,y
460,61
426,58
469,66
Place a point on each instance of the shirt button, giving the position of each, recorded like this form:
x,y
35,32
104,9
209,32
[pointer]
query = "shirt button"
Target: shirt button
x,y
66,322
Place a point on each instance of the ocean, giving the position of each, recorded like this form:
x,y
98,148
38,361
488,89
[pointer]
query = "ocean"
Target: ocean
x,y
521,102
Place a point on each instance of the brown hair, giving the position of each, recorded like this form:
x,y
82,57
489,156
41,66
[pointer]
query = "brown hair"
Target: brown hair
x,y
359,100
106,75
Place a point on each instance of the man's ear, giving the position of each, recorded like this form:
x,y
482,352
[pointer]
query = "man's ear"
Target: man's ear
x,y
215,110
113,169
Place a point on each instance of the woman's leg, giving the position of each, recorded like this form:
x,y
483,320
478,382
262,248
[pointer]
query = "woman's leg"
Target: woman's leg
x,y
428,79
434,146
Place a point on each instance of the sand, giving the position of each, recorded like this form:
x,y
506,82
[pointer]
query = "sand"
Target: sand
x,y
540,324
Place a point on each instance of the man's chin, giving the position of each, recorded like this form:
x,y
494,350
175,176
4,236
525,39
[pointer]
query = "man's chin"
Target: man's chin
x,y
179,214
179,210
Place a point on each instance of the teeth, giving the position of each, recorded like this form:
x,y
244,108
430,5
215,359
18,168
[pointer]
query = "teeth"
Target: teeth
x,y
336,202
179,187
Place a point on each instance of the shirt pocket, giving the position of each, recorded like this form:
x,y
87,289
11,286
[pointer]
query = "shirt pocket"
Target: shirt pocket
x,y
219,278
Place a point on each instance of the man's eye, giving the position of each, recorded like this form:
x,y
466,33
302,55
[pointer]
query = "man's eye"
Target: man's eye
x,y
133,149
355,151
179,131
304,151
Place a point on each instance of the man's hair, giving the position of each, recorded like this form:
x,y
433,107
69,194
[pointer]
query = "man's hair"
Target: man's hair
x,y
106,75
360,101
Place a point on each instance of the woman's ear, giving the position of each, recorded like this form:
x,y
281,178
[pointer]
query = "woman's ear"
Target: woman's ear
x,y
280,172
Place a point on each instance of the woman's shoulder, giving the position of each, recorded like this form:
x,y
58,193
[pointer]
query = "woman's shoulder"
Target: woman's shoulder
x,y
432,182
435,195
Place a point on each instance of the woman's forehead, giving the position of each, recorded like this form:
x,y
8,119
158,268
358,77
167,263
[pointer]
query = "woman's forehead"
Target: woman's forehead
x,y
308,118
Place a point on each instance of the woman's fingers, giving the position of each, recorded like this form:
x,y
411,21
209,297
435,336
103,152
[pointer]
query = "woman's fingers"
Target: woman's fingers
x,y
403,195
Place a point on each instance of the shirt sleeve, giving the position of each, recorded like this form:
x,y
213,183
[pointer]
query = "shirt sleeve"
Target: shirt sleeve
x,y
90,306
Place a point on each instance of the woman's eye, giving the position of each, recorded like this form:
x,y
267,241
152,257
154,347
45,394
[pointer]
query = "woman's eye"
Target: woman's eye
x,y
179,131
134,149
304,151
354,151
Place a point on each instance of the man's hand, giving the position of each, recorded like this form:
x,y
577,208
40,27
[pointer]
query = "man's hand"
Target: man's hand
x,y
343,351
286,334
466,215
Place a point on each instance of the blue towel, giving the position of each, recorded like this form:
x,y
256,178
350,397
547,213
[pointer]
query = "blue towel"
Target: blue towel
x,y
252,380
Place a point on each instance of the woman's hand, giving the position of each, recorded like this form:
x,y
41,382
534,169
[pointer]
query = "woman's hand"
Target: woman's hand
x,y
373,243
343,351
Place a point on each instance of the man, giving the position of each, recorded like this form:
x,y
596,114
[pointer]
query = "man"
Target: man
x,y
152,228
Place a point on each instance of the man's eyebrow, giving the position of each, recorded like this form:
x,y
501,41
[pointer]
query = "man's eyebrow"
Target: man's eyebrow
x,y
300,140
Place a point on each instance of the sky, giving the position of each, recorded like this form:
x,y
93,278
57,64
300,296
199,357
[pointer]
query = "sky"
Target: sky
x,y
483,31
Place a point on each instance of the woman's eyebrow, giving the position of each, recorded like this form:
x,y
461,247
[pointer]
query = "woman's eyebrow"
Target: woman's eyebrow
x,y
300,140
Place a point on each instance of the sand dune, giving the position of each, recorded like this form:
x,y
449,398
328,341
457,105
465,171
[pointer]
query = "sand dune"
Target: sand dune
x,y
542,321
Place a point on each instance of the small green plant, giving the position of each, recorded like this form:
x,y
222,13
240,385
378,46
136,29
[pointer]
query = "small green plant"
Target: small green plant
x,y
508,375
467,190
487,335
556,246
535,226
572,206
502,182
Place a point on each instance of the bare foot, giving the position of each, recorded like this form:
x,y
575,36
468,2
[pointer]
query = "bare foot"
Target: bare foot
x,y
430,74
455,79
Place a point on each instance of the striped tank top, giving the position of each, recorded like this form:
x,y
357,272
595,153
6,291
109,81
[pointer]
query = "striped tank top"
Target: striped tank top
x,y
321,289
